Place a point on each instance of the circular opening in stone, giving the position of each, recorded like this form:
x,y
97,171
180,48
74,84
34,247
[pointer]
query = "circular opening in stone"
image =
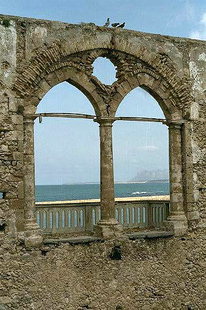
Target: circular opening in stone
x,y
104,70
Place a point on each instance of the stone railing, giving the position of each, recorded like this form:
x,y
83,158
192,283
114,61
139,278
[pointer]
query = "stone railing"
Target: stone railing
x,y
77,216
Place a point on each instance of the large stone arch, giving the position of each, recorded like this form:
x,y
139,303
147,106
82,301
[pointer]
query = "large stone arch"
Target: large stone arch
x,y
156,88
144,68
71,75
135,67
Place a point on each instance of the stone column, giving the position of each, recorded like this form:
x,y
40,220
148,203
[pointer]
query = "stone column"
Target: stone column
x,y
177,219
32,231
108,226
191,207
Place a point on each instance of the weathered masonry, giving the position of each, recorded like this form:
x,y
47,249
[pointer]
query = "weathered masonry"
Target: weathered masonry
x,y
36,55
114,273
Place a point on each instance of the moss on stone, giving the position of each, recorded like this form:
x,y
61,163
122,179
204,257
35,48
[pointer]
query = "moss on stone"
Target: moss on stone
x,y
6,23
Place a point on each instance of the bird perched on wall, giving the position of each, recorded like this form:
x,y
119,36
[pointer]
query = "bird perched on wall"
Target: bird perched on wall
x,y
121,25
115,24
107,23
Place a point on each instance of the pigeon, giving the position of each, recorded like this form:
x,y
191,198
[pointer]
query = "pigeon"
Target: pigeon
x,y
107,23
115,24
121,25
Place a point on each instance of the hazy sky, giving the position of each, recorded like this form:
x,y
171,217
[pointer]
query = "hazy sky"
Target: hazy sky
x,y
67,151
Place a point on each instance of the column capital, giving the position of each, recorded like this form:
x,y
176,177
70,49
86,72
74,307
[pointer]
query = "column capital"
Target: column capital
x,y
104,121
29,119
176,124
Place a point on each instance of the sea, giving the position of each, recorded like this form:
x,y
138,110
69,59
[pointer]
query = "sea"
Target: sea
x,y
92,191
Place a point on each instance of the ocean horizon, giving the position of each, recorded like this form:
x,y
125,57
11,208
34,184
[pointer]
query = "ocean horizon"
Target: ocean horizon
x,y
84,191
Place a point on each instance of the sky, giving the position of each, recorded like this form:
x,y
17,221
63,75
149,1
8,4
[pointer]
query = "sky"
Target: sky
x,y
67,150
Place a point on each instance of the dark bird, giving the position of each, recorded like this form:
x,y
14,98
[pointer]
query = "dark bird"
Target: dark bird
x,y
107,23
115,24
121,25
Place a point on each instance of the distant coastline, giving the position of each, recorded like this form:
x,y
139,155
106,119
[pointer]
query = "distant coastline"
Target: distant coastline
x,y
146,181
124,182
117,182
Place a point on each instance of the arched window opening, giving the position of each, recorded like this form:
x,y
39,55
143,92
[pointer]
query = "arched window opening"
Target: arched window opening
x,y
140,103
65,98
141,155
104,70
66,150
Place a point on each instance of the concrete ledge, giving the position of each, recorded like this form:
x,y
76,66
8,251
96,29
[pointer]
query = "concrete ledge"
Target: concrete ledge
x,y
150,235
91,239
73,240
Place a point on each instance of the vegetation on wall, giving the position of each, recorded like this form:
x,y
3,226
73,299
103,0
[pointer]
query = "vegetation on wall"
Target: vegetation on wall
x,y
6,23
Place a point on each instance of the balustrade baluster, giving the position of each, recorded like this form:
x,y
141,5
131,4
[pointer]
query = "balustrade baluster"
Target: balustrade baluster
x,y
78,218
66,219
72,219
117,214
54,220
37,218
50,220
141,215
144,215
47,220
83,218
136,215
60,220
125,216
41,219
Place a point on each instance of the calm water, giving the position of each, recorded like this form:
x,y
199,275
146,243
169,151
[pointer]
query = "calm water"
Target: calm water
x,y
91,191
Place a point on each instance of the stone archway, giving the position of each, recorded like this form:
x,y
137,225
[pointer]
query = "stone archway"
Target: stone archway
x,y
156,72
153,72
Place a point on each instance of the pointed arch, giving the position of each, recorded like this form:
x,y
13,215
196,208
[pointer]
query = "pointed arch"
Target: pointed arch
x,y
157,89
137,66
70,75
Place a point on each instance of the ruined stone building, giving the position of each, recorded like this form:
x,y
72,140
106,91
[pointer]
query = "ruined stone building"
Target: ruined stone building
x,y
112,271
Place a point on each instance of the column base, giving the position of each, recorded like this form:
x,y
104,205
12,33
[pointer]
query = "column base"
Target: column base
x,y
108,229
32,236
177,223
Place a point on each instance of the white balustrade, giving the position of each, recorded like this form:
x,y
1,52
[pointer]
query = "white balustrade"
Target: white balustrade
x,y
74,217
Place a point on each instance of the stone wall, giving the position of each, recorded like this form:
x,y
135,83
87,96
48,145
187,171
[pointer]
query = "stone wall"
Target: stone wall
x,y
151,274
35,55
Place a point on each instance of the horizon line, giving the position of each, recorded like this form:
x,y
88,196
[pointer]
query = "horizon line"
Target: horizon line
x,y
117,182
